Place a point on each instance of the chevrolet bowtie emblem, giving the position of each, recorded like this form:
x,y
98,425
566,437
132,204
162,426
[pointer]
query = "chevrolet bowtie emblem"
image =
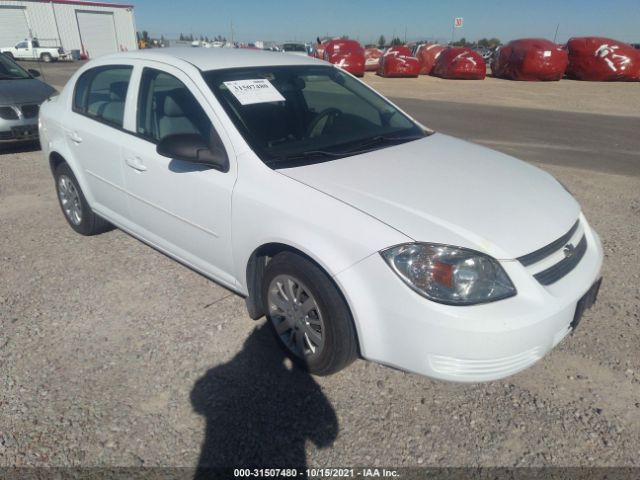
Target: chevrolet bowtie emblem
x,y
568,250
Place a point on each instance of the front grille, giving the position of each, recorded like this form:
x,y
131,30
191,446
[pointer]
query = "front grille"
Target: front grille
x,y
544,252
552,262
8,113
6,135
30,111
563,267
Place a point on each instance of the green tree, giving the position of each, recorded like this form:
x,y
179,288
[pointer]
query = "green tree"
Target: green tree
x,y
181,37
382,41
494,42
396,41
145,36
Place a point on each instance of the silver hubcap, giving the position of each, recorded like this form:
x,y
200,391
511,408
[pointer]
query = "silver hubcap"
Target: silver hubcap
x,y
70,199
296,316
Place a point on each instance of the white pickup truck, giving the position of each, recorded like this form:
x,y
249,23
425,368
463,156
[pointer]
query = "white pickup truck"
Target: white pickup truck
x,y
30,49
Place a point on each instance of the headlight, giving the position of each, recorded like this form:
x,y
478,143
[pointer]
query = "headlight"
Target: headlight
x,y
451,275
8,113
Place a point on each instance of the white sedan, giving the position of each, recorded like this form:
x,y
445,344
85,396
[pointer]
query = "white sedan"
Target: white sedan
x,y
353,228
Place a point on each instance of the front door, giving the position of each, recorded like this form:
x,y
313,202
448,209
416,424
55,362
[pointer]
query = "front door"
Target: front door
x,y
181,207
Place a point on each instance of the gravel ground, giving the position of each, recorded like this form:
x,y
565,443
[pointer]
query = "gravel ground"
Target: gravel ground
x,y
609,98
112,354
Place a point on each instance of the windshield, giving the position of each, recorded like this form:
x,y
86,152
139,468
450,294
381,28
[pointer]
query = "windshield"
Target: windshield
x,y
294,47
307,114
10,70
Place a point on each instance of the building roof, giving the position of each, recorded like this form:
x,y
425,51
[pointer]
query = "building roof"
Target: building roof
x,y
89,4
219,58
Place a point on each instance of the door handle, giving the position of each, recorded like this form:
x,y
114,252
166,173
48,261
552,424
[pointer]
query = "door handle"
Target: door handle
x,y
75,138
136,163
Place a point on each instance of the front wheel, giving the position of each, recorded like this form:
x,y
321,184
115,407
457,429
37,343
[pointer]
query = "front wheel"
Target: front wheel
x,y
308,314
74,205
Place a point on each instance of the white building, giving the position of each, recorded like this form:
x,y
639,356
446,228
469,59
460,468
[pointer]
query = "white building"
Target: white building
x,y
93,27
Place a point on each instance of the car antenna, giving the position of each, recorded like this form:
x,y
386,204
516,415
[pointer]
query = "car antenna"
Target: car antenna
x,y
39,66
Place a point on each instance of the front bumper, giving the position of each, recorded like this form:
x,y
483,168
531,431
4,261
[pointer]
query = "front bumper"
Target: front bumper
x,y
400,328
20,130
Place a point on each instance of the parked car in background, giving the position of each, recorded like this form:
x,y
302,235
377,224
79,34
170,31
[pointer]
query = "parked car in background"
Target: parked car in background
x,y
21,94
352,227
30,49
295,48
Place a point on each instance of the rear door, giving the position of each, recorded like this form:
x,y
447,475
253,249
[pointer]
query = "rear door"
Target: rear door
x,y
95,135
182,208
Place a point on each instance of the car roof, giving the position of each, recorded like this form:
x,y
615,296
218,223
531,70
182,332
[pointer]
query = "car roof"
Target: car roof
x,y
217,58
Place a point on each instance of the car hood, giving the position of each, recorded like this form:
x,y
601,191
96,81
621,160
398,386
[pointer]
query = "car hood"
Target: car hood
x,y
443,190
18,92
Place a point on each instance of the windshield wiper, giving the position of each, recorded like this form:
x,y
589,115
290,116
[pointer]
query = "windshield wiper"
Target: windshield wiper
x,y
380,140
306,158
361,147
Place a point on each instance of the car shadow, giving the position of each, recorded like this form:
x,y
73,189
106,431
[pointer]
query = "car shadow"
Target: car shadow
x,y
260,410
21,147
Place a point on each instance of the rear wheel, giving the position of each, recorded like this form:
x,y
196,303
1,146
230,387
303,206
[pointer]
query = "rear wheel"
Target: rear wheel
x,y
308,314
46,58
74,205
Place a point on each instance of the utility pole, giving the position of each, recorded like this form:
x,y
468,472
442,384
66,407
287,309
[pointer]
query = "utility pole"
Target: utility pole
x,y
555,37
232,32
453,29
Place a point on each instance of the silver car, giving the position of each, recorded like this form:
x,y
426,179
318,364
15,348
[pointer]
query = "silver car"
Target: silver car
x,y
20,97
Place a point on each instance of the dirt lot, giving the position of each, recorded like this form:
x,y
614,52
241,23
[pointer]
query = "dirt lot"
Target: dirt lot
x,y
111,354
612,98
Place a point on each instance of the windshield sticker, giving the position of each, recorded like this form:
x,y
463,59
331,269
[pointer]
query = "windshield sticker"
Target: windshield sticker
x,y
249,92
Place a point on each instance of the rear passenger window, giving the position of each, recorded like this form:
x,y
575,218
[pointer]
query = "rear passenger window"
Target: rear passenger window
x,y
101,92
167,107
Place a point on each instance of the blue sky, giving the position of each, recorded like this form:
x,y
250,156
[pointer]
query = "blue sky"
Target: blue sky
x,y
366,20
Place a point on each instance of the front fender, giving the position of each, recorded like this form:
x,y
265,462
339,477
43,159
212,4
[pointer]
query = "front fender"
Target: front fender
x,y
269,207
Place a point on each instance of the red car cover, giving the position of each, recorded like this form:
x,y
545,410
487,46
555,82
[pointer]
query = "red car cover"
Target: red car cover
x,y
530,59
602,60
347,54
398,61
427,55
460,64
372,59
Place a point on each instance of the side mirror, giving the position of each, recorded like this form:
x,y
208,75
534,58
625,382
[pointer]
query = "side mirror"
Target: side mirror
x,y
190,147
34,73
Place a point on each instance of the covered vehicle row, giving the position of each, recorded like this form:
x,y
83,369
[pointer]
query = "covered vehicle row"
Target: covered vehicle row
x,y
528,59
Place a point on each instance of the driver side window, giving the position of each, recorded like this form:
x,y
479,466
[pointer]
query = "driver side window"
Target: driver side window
x,y
167,107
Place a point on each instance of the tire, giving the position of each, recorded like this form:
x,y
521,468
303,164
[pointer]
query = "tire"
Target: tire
x,y
318,334
74,205
46,58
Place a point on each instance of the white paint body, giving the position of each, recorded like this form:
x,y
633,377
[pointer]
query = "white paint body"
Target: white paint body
x,y
438,190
